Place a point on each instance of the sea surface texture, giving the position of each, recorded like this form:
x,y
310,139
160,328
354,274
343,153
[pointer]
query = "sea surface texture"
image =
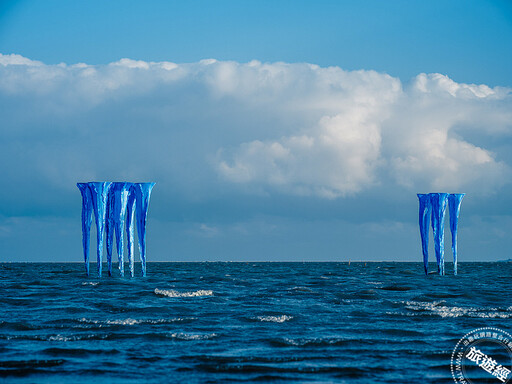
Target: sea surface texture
x,y
244,322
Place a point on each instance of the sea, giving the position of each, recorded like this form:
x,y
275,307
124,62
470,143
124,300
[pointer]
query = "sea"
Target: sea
x,y
231,322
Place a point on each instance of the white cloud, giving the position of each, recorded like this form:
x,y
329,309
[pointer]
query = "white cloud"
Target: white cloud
x,y
204,128
14,59
426,148
338,156
376,128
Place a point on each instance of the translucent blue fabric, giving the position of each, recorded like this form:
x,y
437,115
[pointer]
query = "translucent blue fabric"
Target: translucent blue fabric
x,y
424,221
130,230
86,221
99,193
142,196
454,202
439,202
116,215
117,207
433,206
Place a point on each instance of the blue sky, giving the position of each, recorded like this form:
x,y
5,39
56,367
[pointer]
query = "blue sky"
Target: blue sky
x,y
275,130
467,40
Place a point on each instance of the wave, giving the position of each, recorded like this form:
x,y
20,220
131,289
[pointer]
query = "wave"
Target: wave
x,y
274,319
396,288
300,289
190,336
130,321
20,326
110,336
93,283
27,367
439,308
316,341
66,338
79,351
173,293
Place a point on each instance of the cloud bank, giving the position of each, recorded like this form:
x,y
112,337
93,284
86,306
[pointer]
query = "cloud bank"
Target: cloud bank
x,y
209,128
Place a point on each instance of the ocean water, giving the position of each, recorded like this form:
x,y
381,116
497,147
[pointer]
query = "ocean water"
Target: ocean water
x,y
244,322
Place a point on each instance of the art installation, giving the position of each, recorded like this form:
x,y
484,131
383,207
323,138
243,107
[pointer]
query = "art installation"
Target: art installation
x,y
114,204
433,210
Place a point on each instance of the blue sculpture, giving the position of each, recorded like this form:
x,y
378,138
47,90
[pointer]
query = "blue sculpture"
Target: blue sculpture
x,y
454,201
99,193
434,205
86,221
116,214
113,205
439,202
425,209
142,195
130,222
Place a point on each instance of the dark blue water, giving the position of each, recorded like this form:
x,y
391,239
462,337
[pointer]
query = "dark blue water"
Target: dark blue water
x,y
243,322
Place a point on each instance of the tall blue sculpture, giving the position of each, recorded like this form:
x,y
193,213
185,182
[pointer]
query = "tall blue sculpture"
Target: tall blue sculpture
x,y
425,210
142,195
434,205
130,222
99,194
115,204
86,221
116,215
439,202
454,201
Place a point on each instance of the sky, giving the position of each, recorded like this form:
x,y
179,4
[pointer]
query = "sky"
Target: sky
x,y
275,130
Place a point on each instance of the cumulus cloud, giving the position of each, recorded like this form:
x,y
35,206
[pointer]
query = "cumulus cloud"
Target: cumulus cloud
x,y
201,129
414,136
426,145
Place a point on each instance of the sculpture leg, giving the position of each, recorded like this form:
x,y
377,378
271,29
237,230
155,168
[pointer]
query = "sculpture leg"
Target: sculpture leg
x,y
110,245
454,202
86,221
439,202
130,222
424,221
120,249
142,196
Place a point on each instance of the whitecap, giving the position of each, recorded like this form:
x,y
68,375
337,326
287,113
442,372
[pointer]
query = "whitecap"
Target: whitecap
x,y
189,336
173,293
439,308
275,319
60,338
300,289
93,283
129,321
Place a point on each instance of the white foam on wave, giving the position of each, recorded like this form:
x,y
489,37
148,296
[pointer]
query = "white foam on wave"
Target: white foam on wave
x,y
93,283
438,308
190,336
57,337
129,321
71,338
275,319
300,289
60,338
311,341
173,293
